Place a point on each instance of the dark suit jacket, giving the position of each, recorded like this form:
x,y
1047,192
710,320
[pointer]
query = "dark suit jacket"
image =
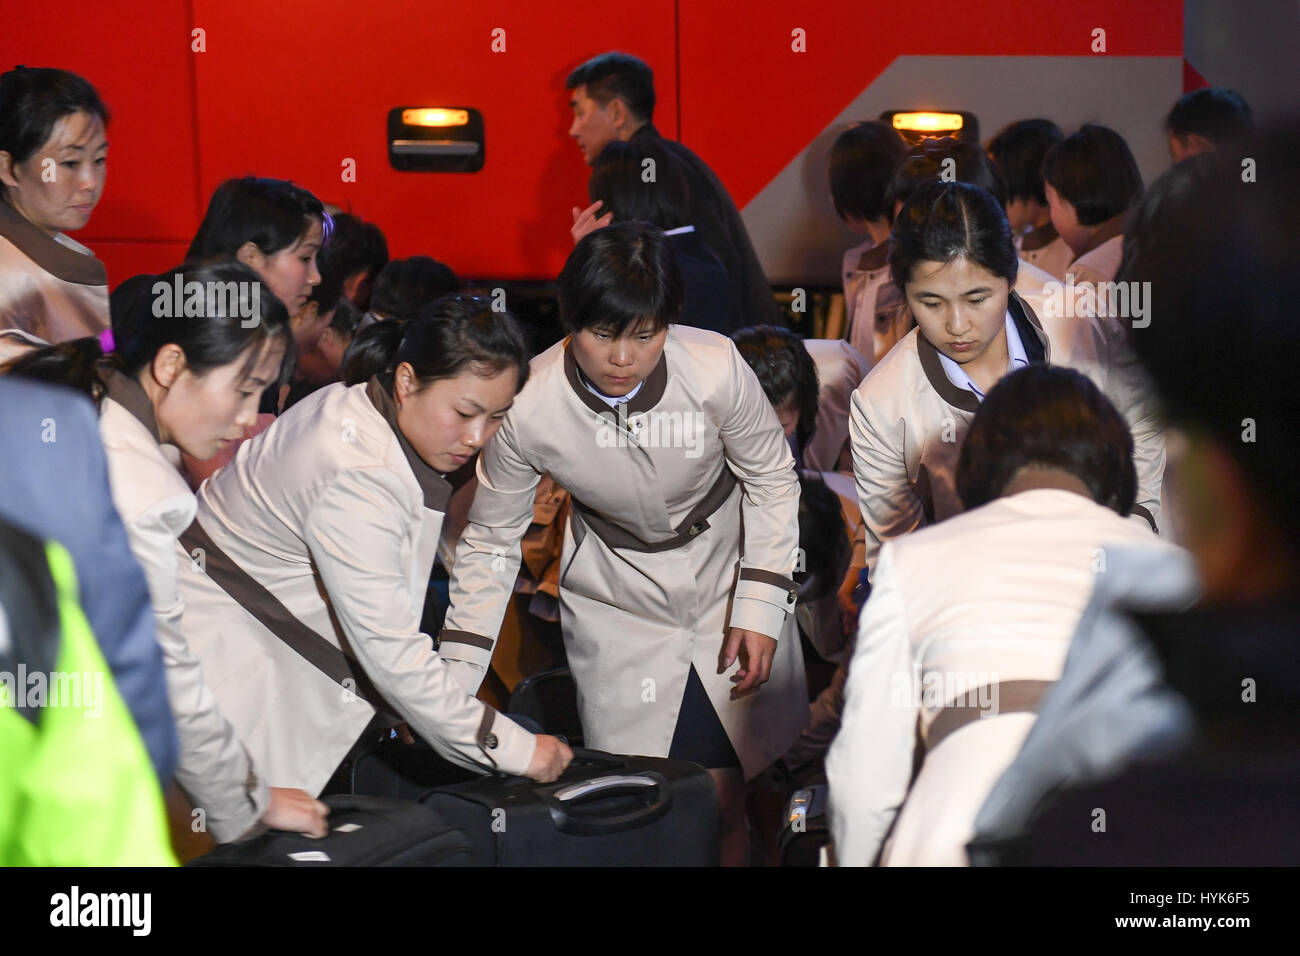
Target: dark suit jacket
x,y
708,301
718,222
58,489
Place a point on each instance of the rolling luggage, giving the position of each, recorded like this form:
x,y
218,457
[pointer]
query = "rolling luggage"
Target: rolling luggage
x,y
605,810
363,832
806,829
396,771
551,699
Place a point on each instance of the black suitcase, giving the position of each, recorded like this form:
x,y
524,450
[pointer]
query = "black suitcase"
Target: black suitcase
x,y
605,810
806,829
551,699
396,771
363,832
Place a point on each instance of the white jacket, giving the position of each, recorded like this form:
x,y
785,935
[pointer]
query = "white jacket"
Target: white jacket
x,y
990,596
157,506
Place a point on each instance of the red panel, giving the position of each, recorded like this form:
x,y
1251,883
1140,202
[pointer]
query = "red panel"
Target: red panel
x,y
137,54
750,103
126,258
290,89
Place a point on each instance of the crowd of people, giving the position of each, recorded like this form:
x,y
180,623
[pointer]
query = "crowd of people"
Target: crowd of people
x,y
1014,548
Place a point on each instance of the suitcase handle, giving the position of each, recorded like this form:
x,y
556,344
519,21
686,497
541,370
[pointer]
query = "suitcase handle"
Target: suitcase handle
x,y
586,756
564,801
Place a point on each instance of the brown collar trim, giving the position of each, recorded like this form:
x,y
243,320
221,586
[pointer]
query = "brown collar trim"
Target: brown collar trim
x,y
964,398
877,257
52,256
652,389
1112,227
130,394
1039,238
437,490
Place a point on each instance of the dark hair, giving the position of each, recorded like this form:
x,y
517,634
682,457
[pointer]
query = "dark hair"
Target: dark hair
x,y
1222,116
618,181
33,100
1094,171
354,246
617,75
454,334
405,286
368,353
823,539
1219,253
1053,417
345,318
860,168
214,337
1018,151
785,370
272,214
927,162
944,221
618,276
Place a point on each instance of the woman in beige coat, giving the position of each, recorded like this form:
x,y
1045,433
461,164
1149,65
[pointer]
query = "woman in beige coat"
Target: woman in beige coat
x,y
672,615
189,379
311,553
968,622
953,255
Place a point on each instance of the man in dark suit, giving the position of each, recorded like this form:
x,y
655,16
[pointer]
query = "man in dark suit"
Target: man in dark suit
x,y
613,98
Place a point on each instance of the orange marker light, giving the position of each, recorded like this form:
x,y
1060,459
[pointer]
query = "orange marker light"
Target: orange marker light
x,y
435,117
928,122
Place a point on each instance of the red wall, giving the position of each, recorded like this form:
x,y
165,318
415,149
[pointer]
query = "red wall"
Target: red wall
x,y
292,88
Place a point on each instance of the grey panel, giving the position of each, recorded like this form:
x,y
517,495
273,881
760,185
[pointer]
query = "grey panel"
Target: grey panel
x,y
1253,48
792,222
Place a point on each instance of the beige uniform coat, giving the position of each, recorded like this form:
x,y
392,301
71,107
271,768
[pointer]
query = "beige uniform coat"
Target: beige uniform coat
x,y
333,515
156,505
990,597
1099,262
879,316
908,421
1043,247
840,369
698,448
52,287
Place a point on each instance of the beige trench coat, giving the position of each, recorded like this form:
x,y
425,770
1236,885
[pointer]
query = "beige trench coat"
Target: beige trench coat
x,y
333,514
636,620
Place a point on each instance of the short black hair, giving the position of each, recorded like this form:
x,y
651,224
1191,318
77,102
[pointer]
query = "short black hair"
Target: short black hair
x,y
33,100
272,214
1018,151
823,538
1222,338
404,287
786,371
617,75
860,168
618,181
1095,172
618,276
344,318
1053,417
1220,115
354,246
943,221
929,161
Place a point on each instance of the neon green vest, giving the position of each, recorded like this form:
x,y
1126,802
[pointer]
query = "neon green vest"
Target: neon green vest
x,y
76,787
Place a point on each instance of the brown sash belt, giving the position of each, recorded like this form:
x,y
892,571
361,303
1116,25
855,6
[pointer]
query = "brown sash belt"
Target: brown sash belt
x,y
334,663
1013,697
693,525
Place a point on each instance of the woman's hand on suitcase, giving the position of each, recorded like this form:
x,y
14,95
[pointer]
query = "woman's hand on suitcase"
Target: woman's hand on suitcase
x,y
755,651
549,759
296,811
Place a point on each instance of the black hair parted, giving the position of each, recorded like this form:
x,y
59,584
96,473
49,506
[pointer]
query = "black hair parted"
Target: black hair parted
x,y
33,100
618,180
357,245
619,75
1095,172
943,221
1220,115
272,214
620,276
786,371
861,167
454,334
1048,416
1018,151
950,158
224,312
404,287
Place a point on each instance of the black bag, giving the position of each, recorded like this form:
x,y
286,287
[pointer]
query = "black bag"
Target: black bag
x,y
551,699
363,832
605,810
397,771
806,829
